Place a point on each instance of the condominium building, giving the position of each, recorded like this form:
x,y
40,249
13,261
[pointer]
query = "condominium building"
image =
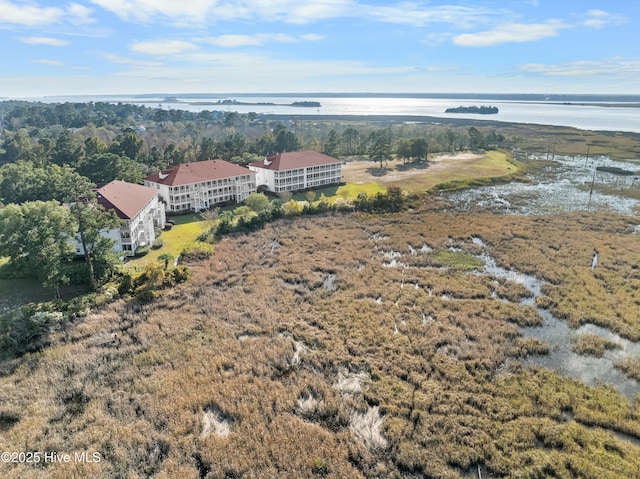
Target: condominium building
x,y
140,210
297,170
199,185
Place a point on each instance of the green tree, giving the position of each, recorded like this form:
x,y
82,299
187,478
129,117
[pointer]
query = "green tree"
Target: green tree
x,y
403,149
106,167
16,147
380,147
128,144
258,202
332,144
94,146
21,181
450,138
90,220
36,234
285,140
206,149
66,150
167,258
419,148
350,141
476,139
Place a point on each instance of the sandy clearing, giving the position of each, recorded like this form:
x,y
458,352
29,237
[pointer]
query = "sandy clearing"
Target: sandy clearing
x,y
360,171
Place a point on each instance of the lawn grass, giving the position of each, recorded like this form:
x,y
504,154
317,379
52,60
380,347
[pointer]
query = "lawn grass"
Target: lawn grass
x,y
349,191
493,167
456,171
174,240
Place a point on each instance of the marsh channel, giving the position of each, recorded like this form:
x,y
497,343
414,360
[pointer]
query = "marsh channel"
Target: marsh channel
x,y
564,184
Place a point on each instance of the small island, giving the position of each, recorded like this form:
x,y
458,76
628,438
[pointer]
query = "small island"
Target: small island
x,y
307,104
229,102
481,110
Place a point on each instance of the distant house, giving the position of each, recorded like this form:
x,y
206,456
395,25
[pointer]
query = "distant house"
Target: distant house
x,y
140,210
199,185
297,170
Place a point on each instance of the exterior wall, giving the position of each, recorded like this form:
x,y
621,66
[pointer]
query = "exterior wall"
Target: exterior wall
x,y
204,194
139,231
300,178
264,177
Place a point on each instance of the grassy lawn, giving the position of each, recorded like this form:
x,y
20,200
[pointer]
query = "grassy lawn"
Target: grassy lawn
x,y
175,239
420,176
349,191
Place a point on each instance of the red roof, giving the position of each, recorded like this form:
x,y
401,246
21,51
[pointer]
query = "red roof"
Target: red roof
x,y
125,198
196,172
295,159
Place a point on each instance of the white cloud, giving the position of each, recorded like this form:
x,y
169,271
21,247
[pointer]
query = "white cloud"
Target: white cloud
x,y
294,11
31,15
417,15
79,14
127,61
52,42
511,33
202,11
312,37
257,39
609,67
162,47
28,15
600,19
54,63
253,72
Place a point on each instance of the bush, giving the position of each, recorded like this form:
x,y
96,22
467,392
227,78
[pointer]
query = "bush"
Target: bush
x,y
144,294
157,243
196,251
142,251
28,329
126,284
180,274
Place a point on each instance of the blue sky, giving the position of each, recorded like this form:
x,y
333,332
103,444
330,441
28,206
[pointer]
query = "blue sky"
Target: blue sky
x,y
90,47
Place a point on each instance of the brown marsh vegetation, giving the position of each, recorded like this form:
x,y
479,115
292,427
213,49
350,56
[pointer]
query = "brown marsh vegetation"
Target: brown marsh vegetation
x,y
343,346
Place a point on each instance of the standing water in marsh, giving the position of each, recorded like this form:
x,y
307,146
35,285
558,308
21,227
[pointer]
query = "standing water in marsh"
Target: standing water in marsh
x,y
558,335
564,184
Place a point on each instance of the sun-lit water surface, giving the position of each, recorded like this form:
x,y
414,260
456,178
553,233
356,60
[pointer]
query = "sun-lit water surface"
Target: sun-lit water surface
x,y
584,116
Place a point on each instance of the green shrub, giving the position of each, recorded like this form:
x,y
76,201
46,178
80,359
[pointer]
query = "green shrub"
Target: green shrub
x,y
196,251
142,251
126,284
27,329
144,294
180,274
157,243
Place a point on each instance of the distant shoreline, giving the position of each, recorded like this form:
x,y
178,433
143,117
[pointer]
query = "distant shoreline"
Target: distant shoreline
x,y
519,97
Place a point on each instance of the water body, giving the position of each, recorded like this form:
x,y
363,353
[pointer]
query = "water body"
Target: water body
x,y
557,334
562,186
559,187
585,116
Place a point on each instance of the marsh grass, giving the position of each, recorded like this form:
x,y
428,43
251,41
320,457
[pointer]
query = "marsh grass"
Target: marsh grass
x,y
631,367
378,376
592,345
458,260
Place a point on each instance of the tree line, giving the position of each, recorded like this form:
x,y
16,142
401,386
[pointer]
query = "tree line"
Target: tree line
x,y
53,154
